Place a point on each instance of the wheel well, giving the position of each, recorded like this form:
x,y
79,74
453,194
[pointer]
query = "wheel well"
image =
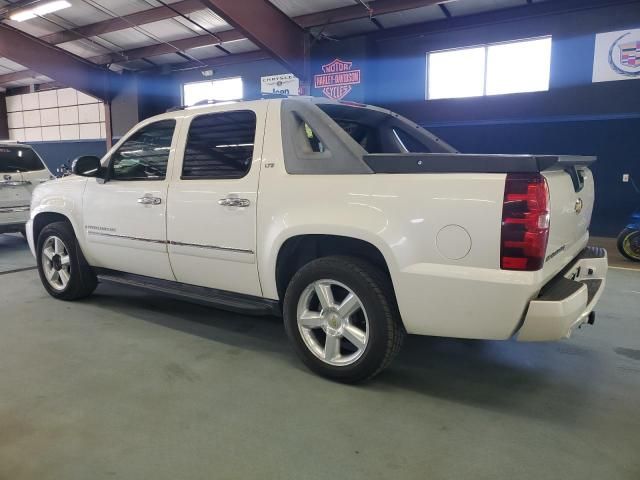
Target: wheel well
x,y
44,219
300,250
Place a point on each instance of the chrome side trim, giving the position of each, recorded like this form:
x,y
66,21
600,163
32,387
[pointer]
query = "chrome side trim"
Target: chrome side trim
x,y
211,247
24,208
126,237
14,183
171,242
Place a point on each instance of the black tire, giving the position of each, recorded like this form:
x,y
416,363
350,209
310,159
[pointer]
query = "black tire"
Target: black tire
x,y
83,281
629,235
375,292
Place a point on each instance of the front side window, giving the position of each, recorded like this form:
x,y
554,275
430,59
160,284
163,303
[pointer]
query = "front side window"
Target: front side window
x,y
220,146
19,159
145,154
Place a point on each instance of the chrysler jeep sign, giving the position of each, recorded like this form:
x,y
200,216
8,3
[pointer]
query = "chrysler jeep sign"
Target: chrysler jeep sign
x,y
284,84
337,79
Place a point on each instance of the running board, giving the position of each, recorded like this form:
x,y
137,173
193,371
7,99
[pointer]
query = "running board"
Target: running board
x,y
235,302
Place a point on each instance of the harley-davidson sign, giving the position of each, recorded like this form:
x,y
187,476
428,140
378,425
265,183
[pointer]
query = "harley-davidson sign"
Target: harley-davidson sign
x,y
337,79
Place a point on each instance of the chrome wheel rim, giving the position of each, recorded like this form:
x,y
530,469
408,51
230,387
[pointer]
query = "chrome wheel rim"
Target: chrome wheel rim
x,y
56,263
333,323
631,245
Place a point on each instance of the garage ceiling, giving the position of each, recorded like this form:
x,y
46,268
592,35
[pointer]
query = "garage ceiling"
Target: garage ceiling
x,y
145,34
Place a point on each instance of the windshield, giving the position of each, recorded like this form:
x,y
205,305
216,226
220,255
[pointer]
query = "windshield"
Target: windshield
x,y
380,132
19,159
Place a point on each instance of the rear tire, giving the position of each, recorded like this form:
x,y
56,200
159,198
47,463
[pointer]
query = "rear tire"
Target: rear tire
x,y
64,272
629,244
341,315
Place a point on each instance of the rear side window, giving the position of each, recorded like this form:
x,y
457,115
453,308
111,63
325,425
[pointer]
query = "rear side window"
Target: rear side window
x,y
19,159
220,146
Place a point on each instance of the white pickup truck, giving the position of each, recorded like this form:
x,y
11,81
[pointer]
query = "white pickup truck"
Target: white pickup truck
x,y
21,169
355,224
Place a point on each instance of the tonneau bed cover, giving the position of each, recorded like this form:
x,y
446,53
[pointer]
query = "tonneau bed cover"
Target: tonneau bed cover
x,y
471,163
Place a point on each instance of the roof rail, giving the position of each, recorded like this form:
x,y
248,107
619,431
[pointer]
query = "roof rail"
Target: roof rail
x,y
197,104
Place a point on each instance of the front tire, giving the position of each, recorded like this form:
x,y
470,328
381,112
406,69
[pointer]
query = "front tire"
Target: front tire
x,y
64,272
341,316
629,244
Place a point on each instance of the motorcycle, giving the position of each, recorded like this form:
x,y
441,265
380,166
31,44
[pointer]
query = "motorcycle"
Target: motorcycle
x,y
629,238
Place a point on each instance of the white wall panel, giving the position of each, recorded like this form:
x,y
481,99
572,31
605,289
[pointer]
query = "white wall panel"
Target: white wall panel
x,y
30,101
48,99
55,115
14,103
15,119
17,134
33,134
68,115
50,134
88,113
67,96
89,131
69,132
50,116
83,98
32,118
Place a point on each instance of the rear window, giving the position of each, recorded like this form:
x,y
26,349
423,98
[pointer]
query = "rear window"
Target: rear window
x,y
379,132
19,159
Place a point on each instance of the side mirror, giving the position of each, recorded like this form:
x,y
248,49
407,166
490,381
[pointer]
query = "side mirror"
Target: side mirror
x,y
86,166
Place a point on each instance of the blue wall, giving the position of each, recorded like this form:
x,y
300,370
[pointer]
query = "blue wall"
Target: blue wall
x,y
55,154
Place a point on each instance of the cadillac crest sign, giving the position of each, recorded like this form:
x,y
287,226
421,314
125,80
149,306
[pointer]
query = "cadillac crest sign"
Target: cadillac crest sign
x,y
617,56
624,57
337,79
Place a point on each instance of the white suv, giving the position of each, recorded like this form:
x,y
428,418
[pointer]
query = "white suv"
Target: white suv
x,y
21,169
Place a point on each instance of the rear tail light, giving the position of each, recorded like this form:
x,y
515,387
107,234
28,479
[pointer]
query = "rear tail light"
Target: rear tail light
x,y
525,222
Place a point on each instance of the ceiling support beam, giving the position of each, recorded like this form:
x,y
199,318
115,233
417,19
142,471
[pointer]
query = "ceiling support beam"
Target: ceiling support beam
x,y
127,21
266,26
212,62
174,46
355,12
15,76
56,63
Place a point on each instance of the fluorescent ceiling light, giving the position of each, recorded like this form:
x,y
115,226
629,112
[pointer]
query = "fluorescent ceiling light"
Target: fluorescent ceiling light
x,y
39,10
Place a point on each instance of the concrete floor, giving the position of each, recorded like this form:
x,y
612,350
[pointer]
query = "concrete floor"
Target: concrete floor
x,y
131,385
14,253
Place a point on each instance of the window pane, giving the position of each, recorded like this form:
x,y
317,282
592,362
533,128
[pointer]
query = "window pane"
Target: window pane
x,y
456,73
220,145
144,155
219,90
18,159
409,143
519,67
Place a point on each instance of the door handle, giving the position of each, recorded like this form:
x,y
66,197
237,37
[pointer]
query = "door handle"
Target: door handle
x,y
149,200
234,202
